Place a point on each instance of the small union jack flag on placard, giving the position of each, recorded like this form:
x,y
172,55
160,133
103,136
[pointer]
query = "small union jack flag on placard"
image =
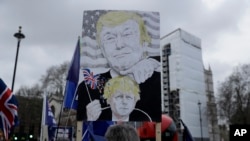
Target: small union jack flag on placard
x,y
8,109
90,78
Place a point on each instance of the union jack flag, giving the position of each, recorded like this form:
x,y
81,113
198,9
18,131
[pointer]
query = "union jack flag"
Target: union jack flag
x,y
90,78
8,109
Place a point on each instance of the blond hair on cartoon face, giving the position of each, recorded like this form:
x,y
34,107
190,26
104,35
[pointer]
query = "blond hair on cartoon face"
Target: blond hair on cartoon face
x,y
114,18
122,84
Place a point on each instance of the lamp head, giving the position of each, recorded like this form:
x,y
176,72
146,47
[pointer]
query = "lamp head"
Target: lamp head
x,y
19,35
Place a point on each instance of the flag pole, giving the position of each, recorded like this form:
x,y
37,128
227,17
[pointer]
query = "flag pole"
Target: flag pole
x,y
59,120
44,127
79,124
70,106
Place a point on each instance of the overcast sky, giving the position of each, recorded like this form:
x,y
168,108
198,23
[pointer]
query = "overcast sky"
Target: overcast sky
x,y
52,27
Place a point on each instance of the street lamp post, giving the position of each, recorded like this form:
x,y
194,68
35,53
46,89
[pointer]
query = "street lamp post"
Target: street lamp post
x,y
199,104
19,35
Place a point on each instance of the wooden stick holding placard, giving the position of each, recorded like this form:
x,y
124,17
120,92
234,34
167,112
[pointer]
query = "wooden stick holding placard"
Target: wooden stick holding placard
x,y
158,131
79,130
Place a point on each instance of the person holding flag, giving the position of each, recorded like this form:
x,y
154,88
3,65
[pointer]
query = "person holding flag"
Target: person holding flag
x,y
8,110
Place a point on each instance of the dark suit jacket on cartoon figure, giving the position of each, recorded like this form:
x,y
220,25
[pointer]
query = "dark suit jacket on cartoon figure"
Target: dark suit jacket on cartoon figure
x,y
150,96
135,115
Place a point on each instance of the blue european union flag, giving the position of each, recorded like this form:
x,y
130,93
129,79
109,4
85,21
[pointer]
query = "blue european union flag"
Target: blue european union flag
x,y
50,121
95,130
70,101
186,133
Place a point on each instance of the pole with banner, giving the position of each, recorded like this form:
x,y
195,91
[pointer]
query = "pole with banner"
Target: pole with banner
x,y
44,127
48,121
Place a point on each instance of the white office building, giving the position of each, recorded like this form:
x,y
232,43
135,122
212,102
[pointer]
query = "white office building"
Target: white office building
x,y
182,61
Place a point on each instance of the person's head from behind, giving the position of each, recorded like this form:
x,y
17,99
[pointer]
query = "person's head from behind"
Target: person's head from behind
x,y
121,36
121,132
121,93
